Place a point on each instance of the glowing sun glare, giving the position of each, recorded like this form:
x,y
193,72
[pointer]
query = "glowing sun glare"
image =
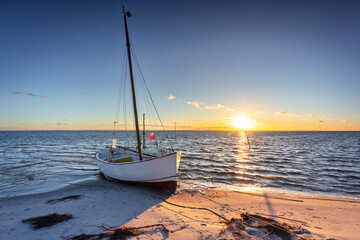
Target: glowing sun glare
x,y
243,123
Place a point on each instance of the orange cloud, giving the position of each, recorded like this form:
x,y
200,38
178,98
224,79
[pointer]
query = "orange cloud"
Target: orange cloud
x,y
195,104
171,97
202,105
216,106
260,112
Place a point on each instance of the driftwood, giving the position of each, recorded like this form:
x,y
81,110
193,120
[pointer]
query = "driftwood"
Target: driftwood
x,y
270,227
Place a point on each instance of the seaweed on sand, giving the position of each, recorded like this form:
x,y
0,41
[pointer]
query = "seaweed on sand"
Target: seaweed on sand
x,y
269,227
121,233
282,230
48,220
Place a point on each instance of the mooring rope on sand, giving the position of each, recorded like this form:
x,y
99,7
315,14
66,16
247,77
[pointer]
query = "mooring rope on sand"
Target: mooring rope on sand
x,y
206,209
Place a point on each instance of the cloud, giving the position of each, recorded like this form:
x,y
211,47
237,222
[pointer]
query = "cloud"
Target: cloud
x,y
195,104
260,112
290,115
202,105
171,97
61,124
317,118
349,123
216,106
29,94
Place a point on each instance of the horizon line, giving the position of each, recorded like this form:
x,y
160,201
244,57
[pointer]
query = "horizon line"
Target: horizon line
x,y
74,130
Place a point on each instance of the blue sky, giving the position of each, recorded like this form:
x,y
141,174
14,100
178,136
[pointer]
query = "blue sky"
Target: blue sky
x,y
286,65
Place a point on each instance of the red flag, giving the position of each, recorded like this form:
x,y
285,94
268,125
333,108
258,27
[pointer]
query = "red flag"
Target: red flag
x,y
152,136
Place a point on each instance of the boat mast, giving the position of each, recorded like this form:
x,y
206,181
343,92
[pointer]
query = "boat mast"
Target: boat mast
x,y
128,14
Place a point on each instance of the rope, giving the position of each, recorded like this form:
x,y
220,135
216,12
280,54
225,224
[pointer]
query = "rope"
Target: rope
x,y
148,91
206,209
144,88
117,110
146,98
124,101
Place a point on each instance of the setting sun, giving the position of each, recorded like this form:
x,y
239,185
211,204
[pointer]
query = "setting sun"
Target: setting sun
x,y
243,123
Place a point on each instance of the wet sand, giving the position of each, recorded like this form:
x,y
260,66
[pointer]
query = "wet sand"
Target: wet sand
x,y
188,214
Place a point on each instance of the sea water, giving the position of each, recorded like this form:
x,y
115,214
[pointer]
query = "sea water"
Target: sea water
x,y
306,163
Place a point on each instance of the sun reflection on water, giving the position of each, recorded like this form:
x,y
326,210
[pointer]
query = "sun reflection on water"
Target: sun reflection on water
x,y
242,153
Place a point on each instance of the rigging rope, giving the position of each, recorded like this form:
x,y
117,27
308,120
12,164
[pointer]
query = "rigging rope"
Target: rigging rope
x,y
147,97
149,94
121,99
124,101
118,99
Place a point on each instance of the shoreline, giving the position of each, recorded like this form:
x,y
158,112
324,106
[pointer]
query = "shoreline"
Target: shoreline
x,y
264,190
53,186
186,185
105,203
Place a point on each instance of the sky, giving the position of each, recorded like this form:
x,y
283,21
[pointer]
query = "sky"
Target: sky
x,y
284,65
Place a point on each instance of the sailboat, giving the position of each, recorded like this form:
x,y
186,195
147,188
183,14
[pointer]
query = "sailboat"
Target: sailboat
x,y
137,165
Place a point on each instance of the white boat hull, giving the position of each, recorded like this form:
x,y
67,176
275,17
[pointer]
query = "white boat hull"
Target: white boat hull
x,y
158,171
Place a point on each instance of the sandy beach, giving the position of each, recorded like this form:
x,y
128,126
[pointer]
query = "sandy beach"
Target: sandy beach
x,y
100,206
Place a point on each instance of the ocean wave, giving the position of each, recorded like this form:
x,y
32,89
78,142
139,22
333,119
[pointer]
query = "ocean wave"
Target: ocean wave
x,y
311,161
